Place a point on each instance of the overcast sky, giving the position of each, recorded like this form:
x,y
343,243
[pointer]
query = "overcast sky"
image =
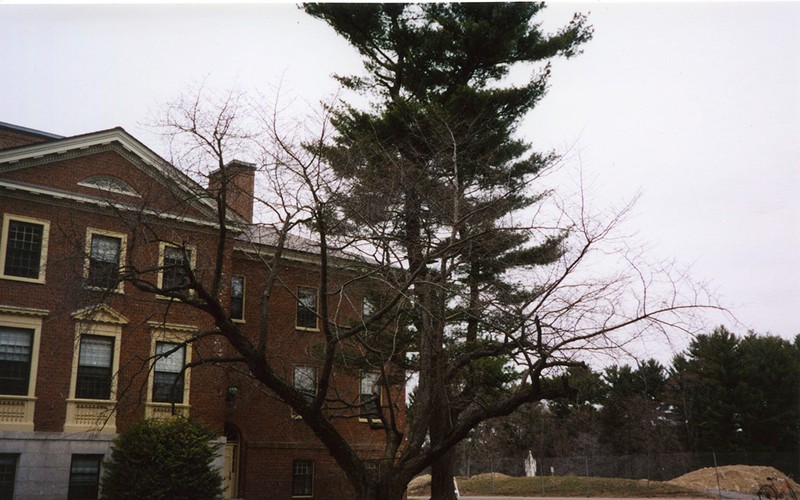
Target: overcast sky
x,y
696,106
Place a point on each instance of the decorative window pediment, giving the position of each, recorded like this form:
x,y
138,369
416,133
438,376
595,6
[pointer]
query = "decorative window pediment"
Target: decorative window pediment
x,y
100,313
108,183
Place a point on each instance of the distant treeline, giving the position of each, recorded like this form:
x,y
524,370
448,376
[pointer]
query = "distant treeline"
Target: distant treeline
x,y
724,394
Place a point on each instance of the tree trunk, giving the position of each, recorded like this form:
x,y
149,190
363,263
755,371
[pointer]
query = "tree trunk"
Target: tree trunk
x,y
383,490
442,486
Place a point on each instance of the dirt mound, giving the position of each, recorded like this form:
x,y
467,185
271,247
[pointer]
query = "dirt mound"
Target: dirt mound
x,y
490,475
740,478
420,485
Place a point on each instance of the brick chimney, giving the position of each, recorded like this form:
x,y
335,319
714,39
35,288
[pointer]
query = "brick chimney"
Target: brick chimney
x,y
238,178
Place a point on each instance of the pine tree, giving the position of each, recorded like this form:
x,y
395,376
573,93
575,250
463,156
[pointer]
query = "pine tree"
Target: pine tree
x,y
437,173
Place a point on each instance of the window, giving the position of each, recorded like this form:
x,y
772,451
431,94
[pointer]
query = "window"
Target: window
x,y
368,309
95,367
369,398
16,346
84,477
168,373
105,254
95,363
237,297
8,472
303,478
307,308
305,381
24,248
173,261
170,378
20,331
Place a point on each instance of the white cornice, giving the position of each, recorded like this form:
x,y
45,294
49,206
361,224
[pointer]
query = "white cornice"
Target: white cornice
x,y
88,200
104,137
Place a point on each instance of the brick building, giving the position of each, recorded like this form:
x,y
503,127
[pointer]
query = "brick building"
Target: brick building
x,y
84,353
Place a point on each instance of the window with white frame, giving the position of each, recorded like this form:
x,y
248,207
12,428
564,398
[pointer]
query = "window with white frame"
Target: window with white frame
x,y
175,262
168,373
105,255
93,384
307,308
303,478
16,350
20,332
23,249
170,377
95,367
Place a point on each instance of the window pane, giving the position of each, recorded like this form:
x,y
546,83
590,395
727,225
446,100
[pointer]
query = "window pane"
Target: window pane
x,y
237,297
23,249
15,360
104,261
96,351
94,367
367,308
167,374
370,394
172,362
84,477
307,307
174,272
303,478
305,380
8,471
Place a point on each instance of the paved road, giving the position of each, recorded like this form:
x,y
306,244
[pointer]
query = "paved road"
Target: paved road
x,y
725,494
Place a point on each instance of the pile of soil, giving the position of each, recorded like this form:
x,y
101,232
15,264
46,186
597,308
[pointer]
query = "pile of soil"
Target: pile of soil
x,y
420,485
490,475
739,478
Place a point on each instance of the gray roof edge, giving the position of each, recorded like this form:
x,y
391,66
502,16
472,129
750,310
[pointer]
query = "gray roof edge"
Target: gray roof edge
x,y
31,131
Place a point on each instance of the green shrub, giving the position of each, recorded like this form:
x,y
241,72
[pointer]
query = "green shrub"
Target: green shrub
x,y
163,459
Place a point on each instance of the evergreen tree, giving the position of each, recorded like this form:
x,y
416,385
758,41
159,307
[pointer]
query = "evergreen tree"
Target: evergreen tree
x,y
769,393
706,380
436,173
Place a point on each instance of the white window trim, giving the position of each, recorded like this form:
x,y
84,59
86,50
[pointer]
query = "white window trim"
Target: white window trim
x,y
122,256
103,409
7,218
178,334
192,264
30,319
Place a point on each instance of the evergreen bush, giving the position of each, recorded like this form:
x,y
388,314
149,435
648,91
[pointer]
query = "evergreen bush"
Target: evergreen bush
x,y
163,459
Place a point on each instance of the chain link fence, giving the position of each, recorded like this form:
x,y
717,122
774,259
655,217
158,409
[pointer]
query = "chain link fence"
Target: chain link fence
x,y
655,467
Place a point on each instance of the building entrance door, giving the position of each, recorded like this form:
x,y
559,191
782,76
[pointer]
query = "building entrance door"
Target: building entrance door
x,y
230,477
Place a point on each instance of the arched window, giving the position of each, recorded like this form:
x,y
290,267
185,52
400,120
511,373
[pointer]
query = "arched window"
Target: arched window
x,y
108,183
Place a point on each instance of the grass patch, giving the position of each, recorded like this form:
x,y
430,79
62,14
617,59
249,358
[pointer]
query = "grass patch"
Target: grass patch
x,y
558,486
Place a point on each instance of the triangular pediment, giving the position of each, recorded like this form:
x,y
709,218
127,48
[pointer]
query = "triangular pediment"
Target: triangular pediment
x,y
100,313
115,140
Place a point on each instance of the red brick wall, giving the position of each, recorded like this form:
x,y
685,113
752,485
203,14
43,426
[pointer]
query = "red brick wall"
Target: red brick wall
x,y
11,138
271,438
63,294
